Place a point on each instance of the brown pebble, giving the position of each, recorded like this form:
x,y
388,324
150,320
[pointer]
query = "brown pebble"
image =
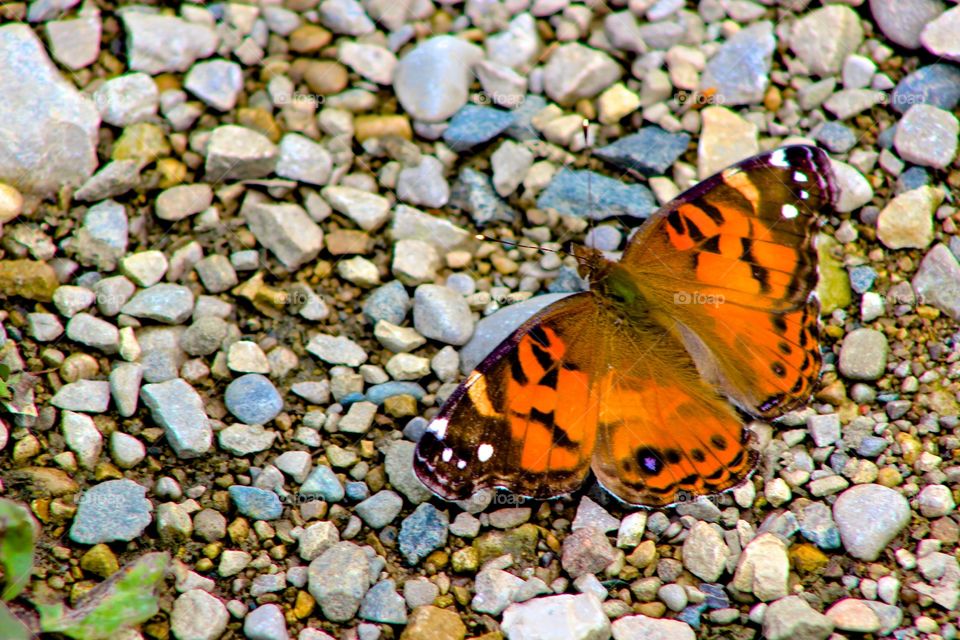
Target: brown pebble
x,y
342,242
260,121
379,126
309,38
325,76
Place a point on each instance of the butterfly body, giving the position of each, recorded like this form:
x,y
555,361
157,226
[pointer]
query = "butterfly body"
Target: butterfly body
x,y
643,379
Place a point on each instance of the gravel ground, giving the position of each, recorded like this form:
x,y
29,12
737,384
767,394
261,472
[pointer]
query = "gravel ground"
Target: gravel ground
x,y
239,274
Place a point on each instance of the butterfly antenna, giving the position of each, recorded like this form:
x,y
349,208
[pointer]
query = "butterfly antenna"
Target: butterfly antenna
x,y
519,245
589,149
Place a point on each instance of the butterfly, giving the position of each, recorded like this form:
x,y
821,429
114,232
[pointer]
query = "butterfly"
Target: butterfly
x,y
709,318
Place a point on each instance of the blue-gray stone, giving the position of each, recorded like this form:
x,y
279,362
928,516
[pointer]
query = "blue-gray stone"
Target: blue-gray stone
x,y
474,193
165,302
817,526
422,532
717,597
936,84
383,604
357,491
258,504
414,429
691,615
912,178
836,137
651,150
567,280
380,509
885,139
783,524
522,127
588,194
872,446
473,125
838,460
323,483
389,302
740,70
109,511
378,393
252,399
862,278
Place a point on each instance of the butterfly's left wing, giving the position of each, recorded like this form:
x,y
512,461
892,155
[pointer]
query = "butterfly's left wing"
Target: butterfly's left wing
x,y
730,269
524,419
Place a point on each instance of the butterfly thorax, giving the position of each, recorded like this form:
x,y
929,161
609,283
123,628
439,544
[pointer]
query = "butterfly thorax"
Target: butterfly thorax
x,y
608,279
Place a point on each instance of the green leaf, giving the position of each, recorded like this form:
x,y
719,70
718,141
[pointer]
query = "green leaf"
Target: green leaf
x,y
18,534
4,371
10,627
125,599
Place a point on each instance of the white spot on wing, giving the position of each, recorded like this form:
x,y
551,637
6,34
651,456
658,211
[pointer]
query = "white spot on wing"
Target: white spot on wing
x,y
779,159
462,464
447,454
438,427
804,195
799,176
484,452
789,211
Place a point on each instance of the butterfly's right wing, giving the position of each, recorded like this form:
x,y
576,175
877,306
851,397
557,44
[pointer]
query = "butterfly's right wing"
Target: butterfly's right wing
x,y
524,419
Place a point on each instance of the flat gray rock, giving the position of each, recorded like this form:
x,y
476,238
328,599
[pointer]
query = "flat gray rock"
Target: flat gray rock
x,y
178,408
110,511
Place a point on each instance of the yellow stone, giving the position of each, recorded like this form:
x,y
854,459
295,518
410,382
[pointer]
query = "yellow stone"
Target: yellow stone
x,y
465,560
143,141
100,561
616,102
643,555
910,446
400,406
807,558
379,126
172,172
30,279
433,623
652,609
304,605
11,203
889,477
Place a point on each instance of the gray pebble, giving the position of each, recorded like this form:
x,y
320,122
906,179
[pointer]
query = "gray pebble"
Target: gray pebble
x,y
380,509
88,396
183,201
112,293
217,83
593,195
164,302
253,399
422,532
575,71
266,622
424,184
338,580
157,44
285,229
740,70
927,135
216,273
82,437
178,408
444,57
109,511
127,99
651,151
863,354
323,482
903,20
869,516
442,314
937,281
255,503
244,439
43,327
238,153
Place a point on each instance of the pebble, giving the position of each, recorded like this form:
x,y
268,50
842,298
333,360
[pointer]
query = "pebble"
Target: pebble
x,y
510,163
850,614
88,396
198,615
869,516
902,21
338,580
651,150
399,467
126,450
854,189
434,623
44,327
424,184
182,201
422,532
266,622
316,539
383,604
791,618
70,300
36,100
586,550
591,514
210,525
253,399
927,136
906,222
216,273
324,483
346,17
824,429
178,408
419,592
285,229
444,235
157,44
473,125
415,262
822,39
936,84
82,437
245,356
337,350
109,511
164,302
518,45
75,43
303,160
441,56
255,503
368,210
641,626
935,501
144,268
704,552
847,103
937,281
103,236
127,99
740,70
113,179
238,153
380,509
725,139
595,196
858,71
575,71
217,83
561,617
836,137
398,339
763,568
125,381
494,590
442,314
863,354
